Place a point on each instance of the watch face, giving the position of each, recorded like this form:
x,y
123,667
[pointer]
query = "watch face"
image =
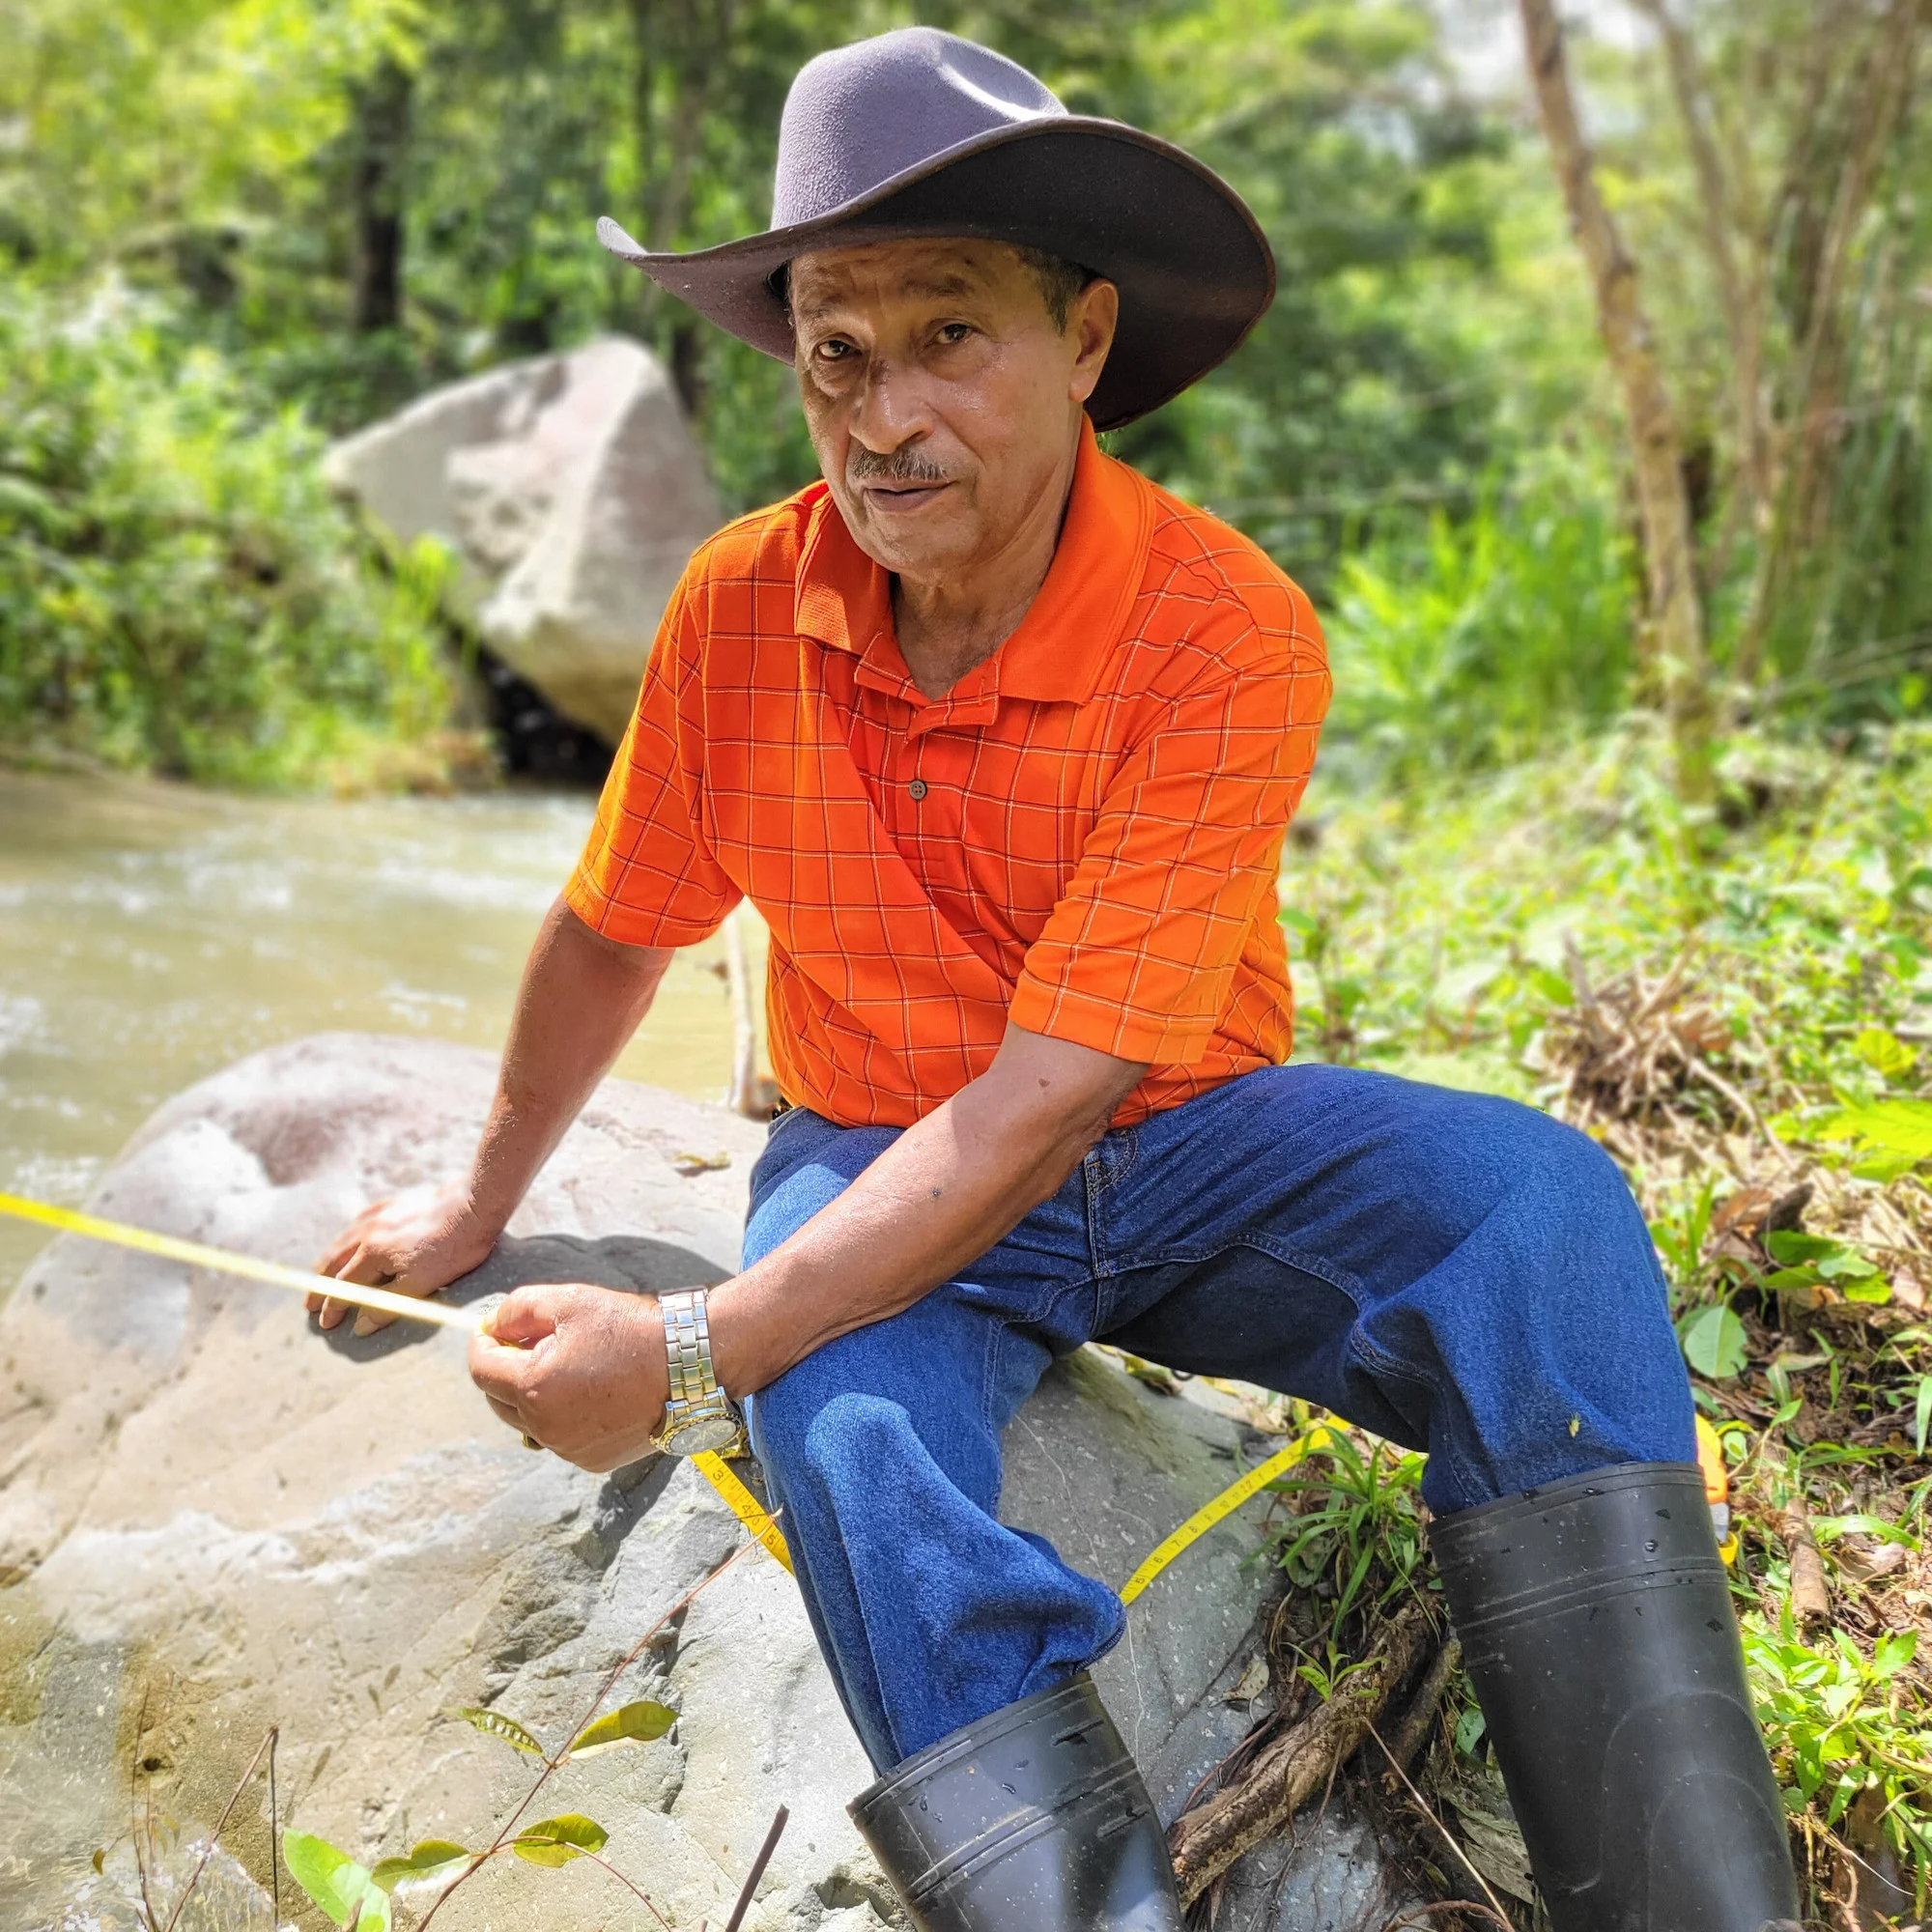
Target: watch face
x,y
707,1432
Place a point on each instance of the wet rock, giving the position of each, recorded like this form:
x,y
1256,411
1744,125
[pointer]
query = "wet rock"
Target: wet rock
x,y
573,495
216,1518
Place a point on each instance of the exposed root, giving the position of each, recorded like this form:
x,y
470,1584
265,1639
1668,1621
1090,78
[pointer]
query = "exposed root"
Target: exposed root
x,y
1282,1776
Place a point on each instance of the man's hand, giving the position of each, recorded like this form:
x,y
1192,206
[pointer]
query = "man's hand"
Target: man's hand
x,y
580,1368
415,1243
582,998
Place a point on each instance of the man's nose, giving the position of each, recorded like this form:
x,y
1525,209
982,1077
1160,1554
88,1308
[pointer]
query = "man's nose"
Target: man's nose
x,y
891,409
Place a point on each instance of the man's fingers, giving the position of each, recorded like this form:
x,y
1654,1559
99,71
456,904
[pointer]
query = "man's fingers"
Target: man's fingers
x,y
506,1413
527,1314
499,1372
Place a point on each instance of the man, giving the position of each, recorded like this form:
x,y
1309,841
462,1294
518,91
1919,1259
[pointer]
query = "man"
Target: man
x,y
1002,741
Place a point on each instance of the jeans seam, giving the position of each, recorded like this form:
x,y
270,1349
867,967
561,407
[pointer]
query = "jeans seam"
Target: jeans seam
x,y
1338,1279
1097,1247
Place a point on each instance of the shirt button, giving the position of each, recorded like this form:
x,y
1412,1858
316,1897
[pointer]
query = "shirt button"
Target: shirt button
x,y
918,789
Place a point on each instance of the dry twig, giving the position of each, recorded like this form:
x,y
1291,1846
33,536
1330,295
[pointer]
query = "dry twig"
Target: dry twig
x,y
1811,1598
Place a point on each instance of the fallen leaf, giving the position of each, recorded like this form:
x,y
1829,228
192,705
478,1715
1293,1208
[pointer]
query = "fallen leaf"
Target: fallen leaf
x,y
689,1163
1254,1680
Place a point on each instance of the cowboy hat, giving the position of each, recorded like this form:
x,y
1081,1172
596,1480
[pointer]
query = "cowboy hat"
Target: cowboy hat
x,y
920,133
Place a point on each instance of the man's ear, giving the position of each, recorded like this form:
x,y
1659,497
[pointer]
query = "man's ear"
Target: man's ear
x,y
1095,315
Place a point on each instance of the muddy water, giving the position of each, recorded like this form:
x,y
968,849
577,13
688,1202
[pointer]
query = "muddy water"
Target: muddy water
x,y
150,935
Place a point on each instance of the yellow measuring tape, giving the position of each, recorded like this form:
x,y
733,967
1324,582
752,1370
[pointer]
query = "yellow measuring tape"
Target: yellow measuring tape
x,y
1224,1505
169,1247
740,1502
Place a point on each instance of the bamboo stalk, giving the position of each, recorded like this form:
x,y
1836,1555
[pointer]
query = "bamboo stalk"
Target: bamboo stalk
x,y
744,1095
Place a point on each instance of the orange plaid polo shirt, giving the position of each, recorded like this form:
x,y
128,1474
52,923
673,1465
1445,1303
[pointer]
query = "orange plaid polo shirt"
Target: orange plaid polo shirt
x,y
1081,837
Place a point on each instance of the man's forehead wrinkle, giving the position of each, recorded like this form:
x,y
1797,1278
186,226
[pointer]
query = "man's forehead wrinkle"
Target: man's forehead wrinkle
x,y
851,291
851,272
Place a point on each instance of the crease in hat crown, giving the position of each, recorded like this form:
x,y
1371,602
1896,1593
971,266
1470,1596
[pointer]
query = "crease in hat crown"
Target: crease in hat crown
x,y
853,91
920,133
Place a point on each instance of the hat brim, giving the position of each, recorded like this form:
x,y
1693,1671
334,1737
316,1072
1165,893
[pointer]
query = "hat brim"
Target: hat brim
x,y
1194,270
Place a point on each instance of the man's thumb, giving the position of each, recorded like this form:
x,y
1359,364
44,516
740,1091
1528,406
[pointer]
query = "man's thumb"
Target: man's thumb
x,y
522,1319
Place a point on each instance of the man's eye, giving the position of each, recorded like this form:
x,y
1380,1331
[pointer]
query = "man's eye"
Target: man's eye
x,y
955,331
834,351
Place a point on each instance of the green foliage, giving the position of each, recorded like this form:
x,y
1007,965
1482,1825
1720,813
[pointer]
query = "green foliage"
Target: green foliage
x,y
493,1723
630,1723
1713,1339
1833,1719
1493,637
1356,1527
429,1858
178,590
345,1892
555,1841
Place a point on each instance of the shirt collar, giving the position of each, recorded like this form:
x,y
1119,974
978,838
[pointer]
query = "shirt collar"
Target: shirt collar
x,y
845,599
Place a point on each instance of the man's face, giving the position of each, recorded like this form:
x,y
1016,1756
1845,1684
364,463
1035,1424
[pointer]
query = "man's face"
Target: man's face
x,y
942,400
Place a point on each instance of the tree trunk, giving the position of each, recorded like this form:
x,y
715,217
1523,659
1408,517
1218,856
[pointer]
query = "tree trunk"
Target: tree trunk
x,y
1722,208
680,46
1672,653
1810,418
381,106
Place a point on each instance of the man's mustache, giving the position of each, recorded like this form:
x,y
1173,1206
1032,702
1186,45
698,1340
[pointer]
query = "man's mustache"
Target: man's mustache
x,y
900,466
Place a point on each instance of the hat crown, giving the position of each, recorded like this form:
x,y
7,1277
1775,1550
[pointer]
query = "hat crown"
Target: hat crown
x,y
858,116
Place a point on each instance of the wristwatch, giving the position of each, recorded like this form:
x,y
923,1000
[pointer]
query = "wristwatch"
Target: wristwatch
x,y
698,1414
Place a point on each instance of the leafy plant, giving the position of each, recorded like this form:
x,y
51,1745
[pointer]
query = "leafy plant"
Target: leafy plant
x,y
1833,1719
350,1895
1357,1533
179,591
1815,1260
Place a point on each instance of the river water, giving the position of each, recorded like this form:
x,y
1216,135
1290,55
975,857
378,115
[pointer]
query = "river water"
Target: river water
x,y
150,934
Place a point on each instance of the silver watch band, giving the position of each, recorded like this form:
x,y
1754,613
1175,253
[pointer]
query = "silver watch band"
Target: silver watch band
x,y
688,1346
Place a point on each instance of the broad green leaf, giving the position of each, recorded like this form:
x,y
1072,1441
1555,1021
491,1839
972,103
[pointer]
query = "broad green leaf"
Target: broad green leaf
x,y
555,1841
1784,1279
1922,1416
430,1858
495,1725
1885,1167
1884,1052
1787,1244
1893,1126
1847,1264
335,1881
1469,1729
1872,1289
630,1724
1715,1342
1893,1654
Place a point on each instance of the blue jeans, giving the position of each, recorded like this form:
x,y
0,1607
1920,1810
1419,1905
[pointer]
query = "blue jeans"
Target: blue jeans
x,y
1456,1273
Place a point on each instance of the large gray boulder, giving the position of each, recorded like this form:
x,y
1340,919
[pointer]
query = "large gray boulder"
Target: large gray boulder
x,y
213,1511
572,495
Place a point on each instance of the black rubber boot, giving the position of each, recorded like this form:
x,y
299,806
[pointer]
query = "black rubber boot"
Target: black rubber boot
x,y
1596,1629
1035,1819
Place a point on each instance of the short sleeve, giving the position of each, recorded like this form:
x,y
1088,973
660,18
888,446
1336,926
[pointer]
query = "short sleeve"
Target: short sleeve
x,y
1138,956
648,876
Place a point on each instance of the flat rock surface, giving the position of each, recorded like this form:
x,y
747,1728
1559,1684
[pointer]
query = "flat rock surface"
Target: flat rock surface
x,y
213,1518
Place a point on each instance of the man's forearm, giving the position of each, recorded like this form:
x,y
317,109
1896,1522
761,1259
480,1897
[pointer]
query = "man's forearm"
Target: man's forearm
x,y
946,1190
582,999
